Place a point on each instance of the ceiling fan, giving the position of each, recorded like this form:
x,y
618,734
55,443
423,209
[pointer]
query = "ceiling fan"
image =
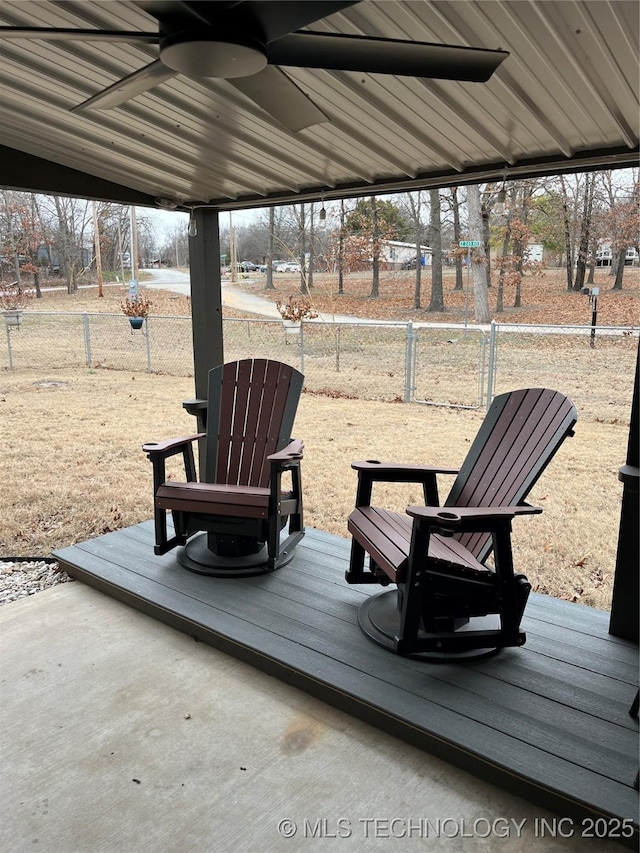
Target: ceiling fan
x,y
246,42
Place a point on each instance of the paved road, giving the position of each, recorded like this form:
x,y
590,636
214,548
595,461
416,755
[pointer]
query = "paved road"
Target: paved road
x,y
232,295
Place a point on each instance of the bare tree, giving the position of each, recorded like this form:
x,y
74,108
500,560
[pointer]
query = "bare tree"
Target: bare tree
x,y
479,256
376,249
455,207
585,230
10,207
269,259
414,210
435,241
341,250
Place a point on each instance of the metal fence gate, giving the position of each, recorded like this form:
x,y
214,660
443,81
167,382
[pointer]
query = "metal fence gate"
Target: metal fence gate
x,y
449,366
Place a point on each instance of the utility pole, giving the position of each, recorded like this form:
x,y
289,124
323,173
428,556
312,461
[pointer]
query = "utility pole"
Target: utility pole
x,y
120,249
134,247
96,242
232,251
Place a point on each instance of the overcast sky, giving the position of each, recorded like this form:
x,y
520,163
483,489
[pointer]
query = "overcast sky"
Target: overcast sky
x,y
166,220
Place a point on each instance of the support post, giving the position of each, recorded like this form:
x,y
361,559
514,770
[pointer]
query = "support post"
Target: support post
x,y
206,303
624,606
206,298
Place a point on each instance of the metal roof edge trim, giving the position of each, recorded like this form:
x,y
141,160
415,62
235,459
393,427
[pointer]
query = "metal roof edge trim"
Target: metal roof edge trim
x,y
22,171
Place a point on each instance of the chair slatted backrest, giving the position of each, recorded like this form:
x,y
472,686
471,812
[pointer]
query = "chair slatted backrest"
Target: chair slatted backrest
x,y
518,438
251,408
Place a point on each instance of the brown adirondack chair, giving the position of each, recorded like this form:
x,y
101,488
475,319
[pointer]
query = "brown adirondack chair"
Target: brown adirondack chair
x,y
243,504
449,602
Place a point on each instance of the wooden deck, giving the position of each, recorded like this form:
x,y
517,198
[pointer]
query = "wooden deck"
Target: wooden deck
x,y
548,721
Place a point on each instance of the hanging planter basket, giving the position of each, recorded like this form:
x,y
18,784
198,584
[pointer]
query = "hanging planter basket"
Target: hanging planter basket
x,y
291,327
13,317
136,322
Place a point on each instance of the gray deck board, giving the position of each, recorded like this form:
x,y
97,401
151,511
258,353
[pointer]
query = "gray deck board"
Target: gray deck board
x,y
549,721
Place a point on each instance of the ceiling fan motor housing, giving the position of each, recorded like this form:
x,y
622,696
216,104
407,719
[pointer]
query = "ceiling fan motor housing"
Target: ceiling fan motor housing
x,y
203,53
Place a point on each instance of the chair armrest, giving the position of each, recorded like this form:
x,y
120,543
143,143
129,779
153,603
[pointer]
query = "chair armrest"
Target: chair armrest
x,y
194,406
396,472
159,451
199,409
292,452
372,471
171,445
469,519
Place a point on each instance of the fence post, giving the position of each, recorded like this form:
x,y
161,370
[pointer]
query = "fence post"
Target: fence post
x,y
87,338
9,344
146,337
408,363
493,347
302,346
483,362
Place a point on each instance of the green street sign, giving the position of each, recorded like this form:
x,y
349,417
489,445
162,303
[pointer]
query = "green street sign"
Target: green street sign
x,y
469,244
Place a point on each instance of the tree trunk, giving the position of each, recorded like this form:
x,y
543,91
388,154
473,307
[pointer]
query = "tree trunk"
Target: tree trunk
x,y
478,259
617,284
519,248
435,234
613,267
341,251
312,236
585,230
568,247
68,260
96,243
38,215
486,236
506,248
304,289
269,259
415,205
417,285
375,278
12,242
456,236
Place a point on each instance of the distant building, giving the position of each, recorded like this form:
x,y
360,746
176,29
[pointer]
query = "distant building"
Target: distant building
x,y
396,255
604,256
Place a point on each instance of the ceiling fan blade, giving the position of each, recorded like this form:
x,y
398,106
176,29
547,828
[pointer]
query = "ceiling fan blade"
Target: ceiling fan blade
x,y
280,17
68,34
272,90
135,84
385,56
264,19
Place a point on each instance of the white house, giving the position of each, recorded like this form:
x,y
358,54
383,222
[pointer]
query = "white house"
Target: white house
x,y
398,255
604,255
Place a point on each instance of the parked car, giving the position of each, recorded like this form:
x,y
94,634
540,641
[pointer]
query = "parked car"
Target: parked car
x,y
247,266
288,266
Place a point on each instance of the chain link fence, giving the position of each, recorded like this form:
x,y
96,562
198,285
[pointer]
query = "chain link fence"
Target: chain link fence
x,y
598,378
435,364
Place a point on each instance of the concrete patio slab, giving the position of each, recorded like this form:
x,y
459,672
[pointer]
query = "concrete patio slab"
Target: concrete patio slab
x,y
122,735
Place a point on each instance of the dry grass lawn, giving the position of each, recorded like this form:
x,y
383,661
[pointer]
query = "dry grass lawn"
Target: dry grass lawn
x,y
73,468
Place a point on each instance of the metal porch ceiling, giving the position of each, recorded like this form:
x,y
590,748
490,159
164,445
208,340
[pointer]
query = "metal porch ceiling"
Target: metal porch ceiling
x,y
566,98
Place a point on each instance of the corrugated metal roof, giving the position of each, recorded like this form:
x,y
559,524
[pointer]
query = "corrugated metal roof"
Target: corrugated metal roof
x,y
566,97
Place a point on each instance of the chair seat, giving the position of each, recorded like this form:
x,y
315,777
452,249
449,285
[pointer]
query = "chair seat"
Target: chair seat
x,y
209,498
386,536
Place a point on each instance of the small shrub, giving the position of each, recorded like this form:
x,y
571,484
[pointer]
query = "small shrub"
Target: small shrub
x,y
296,309
13,297
136,306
